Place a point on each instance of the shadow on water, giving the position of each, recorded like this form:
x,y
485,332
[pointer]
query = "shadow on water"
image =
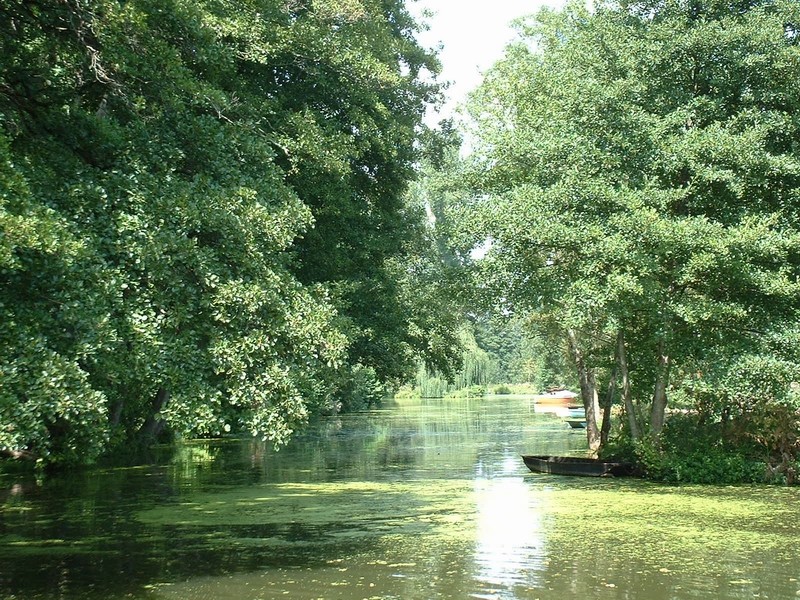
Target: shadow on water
x,y
423,499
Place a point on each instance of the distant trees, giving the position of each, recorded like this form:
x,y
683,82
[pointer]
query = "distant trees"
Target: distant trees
x,y
637,169
495,350
202,217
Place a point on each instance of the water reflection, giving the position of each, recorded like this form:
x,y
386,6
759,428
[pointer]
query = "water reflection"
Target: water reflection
x,y
509,544
424,500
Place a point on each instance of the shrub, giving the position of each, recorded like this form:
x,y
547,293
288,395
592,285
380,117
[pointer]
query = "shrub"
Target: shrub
x,y
473,391
693,450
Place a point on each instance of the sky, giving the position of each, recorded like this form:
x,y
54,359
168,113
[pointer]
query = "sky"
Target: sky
x,y
474,34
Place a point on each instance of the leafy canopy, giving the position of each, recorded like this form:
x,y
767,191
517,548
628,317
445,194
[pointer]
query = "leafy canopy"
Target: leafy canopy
x,y
193,195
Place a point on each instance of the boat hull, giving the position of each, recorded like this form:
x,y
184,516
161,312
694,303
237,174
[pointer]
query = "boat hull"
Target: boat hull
x,y
572,465
567,399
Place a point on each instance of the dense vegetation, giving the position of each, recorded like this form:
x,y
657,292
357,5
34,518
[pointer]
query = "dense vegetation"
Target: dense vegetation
x,y
637,170
209,223
203,225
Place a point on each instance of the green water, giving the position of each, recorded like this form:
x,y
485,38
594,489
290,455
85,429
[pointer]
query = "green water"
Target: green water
x,y
420,500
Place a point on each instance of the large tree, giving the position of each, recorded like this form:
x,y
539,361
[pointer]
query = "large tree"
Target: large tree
x,y
192,195
637,169
351,102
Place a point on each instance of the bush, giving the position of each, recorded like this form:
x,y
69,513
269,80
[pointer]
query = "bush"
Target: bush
x,y
691,450
406,392
360,390
473,391
712,465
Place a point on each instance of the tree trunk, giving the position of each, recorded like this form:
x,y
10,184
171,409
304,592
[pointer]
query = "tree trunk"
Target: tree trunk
x,y
591,403
660,392
606,427
116,414
153,424
627,401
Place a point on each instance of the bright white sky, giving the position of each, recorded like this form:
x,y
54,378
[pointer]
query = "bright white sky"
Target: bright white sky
x,y
474,34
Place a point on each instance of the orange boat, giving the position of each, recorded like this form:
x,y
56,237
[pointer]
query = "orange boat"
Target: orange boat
x,y
562,397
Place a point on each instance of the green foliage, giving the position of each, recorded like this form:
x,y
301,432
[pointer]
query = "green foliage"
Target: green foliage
x,y
471,391
526,389
430,385
352,102
409,392
477,368
359,390
756,399
691,451
636,171
202,217
694,449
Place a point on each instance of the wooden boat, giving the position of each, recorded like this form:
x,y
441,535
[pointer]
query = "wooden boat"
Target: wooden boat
x,y
573,465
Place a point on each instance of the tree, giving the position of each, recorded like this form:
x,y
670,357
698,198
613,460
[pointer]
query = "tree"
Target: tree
x,y
160,165
351,102
637,170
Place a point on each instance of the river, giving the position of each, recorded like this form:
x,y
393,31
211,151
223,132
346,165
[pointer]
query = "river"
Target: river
x,y
422,499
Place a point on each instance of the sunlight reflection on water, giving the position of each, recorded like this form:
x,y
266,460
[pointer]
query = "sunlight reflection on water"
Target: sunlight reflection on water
x,y
429,500
509,545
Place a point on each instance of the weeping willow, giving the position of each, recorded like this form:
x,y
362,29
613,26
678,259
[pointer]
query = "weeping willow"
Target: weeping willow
x,y
478,369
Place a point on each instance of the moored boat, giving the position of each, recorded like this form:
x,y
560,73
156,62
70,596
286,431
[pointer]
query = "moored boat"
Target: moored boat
x,y
562,397
574,465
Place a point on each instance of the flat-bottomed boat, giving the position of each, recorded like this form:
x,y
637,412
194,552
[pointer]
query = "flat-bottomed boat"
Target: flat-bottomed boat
x,y
574,465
